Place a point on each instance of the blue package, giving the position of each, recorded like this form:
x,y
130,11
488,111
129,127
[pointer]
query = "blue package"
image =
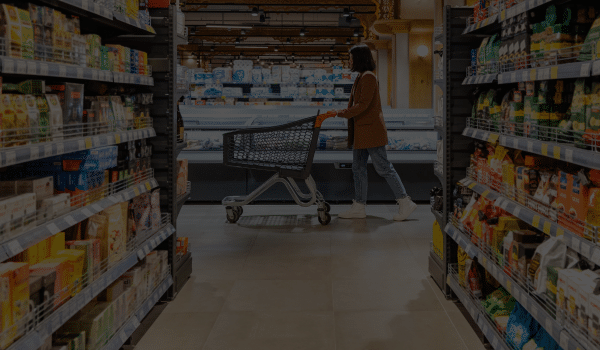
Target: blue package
x,y
521,327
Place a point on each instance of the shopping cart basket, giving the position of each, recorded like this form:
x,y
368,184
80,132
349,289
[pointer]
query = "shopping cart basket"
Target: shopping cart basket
x,y
287,149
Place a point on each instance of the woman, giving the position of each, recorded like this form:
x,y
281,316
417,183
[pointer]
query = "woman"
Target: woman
x,y
367,136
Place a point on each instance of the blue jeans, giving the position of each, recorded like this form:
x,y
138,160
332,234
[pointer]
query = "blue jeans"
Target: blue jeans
x,y
383,167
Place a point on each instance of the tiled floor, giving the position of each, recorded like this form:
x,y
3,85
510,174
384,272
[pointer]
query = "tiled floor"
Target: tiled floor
x,y
278,280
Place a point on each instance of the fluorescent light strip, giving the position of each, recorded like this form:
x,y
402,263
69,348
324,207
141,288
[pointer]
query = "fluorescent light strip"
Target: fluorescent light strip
x,y
251,47
226,26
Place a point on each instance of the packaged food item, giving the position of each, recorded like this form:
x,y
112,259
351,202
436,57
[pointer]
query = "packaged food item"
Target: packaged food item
x,y
521,327
71,99
17,275
14,38
34,119
551,253
55,117
54,206
43,187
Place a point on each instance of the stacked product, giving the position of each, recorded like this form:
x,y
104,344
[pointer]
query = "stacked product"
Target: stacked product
x,y
52,271
244,72
182,177
544,265
484,9
559,191
536,109
45,34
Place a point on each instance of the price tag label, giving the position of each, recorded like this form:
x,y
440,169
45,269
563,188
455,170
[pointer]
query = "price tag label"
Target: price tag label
x,y
52,228
97,208
532,75
515,143
60,148
513,77
515,293
94,74
586,250
559,231
21,67
123,336
576,244
534,311
493,138
585,70
474,133
525,75
147,250
569,155
517,211
11,158
486,136
84,4
79,73
81,144
140,254
545,149
564,340
96,141
15,247
43,69
148,187
485,193
501,78
136,191
536,221
86,212
549,327
547,227
472,185
596,68
88,142
556,152
135,321
31,68
8,66
504,205
509,286
34,153
62,71
117,138
124,137
530,146
69,219
554,73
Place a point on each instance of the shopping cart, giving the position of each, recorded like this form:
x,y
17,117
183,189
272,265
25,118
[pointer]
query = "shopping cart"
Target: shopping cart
x,y
287,149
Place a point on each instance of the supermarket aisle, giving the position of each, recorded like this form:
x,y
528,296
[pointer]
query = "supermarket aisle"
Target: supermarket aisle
x,y
286,282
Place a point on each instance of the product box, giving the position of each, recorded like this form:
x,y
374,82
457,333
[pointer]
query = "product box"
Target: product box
x,y
17,275
14,39
43,187
26,34
76,259
579,198
53,206
55,117
594,317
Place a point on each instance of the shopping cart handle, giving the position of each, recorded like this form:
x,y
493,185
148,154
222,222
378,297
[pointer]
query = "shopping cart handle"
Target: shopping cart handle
x,y
322,117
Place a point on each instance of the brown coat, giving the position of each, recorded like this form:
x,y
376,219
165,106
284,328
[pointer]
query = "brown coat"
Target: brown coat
x,y
366,127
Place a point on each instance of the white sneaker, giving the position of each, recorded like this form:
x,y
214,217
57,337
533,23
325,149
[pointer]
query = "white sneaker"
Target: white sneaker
x,y
357,211
405,207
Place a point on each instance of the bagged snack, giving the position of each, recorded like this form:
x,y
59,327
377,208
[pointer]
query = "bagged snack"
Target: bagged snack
x,y
550,253
155,211
521,327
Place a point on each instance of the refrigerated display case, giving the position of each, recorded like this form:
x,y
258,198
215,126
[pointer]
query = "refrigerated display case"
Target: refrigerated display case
x,y
412,150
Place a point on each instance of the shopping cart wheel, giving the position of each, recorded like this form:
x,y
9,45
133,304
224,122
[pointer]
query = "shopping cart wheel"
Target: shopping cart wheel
x,y
327,207
239,211
324,217
232,215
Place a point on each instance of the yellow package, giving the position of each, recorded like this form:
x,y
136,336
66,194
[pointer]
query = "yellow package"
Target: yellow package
x,y
30,255
6,317
57,243
26,34
8,117
18,281
462,260
21,120
13,32
65,271
76,258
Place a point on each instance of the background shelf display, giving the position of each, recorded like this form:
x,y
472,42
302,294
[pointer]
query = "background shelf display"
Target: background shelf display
x,y
561,71
567,153
22,154
49,69
556,331
27,239
480,79
481,24
550,227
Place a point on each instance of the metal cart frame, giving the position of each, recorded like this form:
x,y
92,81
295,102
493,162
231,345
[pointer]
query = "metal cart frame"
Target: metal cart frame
x,y
289,150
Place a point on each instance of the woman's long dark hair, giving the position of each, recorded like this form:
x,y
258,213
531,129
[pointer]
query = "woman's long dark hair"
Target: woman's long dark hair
x,y
362,60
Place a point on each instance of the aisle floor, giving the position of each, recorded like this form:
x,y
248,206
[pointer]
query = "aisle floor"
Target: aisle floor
x,y
278,280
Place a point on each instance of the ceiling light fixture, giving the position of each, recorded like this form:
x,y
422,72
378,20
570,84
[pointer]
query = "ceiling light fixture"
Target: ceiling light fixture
x,y
422,50
331,48
289,40
356,32
243,32
212,48
276,48
351,11
227,26
237,40
346,12
348,41
255,11
251,47
302,32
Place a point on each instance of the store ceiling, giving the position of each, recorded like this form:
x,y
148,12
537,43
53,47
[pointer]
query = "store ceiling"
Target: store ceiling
x,y
277,29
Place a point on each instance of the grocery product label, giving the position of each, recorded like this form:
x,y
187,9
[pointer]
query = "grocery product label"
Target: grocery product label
x,y
88,142
545,149
585,249
52,228
536,221
556,152
15,247
547,227
86,212
62,71
554,73
596,68
517,211
123,336
11,158
69,219
585,70
148,187
47,150
34,153
117,138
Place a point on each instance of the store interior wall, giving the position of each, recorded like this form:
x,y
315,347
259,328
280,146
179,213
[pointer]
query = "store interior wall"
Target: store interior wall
x,y
421,75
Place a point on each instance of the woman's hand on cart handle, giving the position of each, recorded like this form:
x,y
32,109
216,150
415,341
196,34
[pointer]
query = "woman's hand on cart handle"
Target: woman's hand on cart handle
x,y
322,117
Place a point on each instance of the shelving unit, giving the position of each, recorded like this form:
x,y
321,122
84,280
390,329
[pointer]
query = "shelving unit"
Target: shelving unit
x,y
456,109
114,28
456,151
164,110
